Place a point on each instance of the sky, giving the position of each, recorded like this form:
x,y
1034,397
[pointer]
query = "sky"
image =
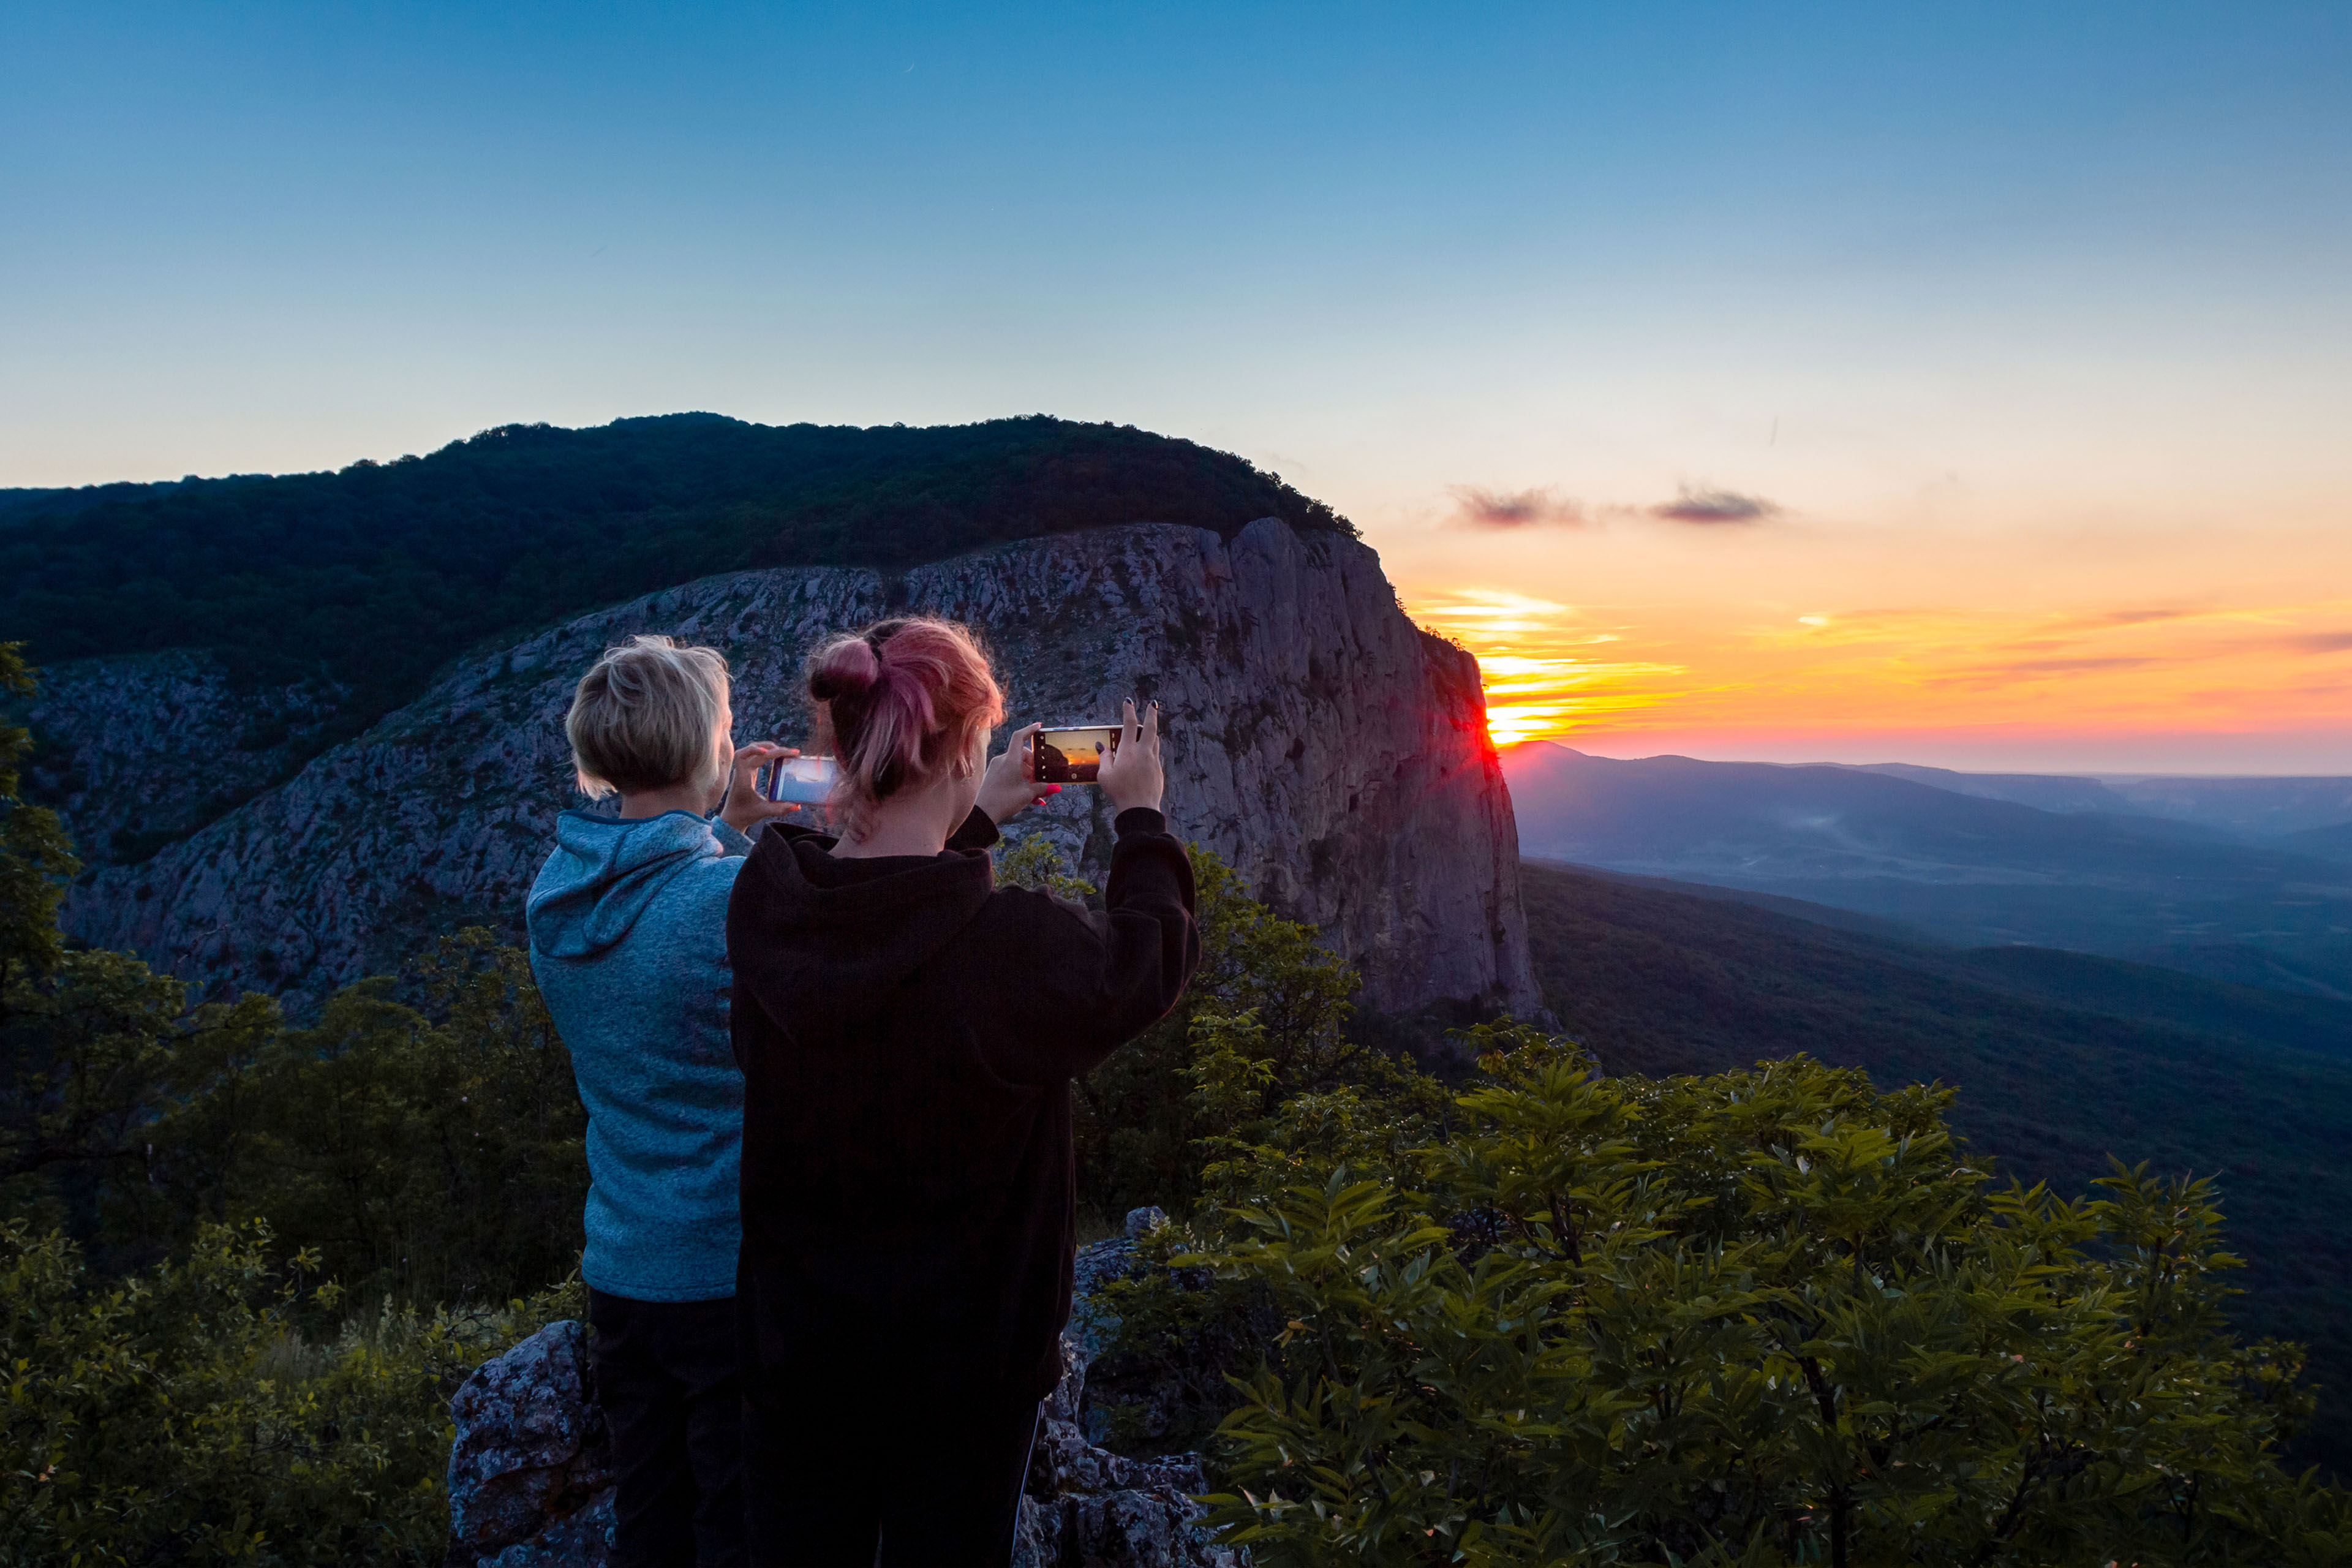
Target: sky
x,y
1962,384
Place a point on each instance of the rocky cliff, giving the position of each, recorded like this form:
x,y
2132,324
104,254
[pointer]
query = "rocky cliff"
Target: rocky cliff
x,y
1320,742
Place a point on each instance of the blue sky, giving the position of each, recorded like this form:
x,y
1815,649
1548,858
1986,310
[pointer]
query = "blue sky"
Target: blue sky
x,y
1988,275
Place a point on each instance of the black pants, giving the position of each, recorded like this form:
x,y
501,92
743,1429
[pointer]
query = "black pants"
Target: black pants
x,y
930,1475
668,1380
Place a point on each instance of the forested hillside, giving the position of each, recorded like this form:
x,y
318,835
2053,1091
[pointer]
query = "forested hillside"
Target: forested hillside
x,y
371,576
2061,1060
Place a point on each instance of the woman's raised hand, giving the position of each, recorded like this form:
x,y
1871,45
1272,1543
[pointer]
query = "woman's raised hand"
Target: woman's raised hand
x,y
1132,775
1009,785
746,807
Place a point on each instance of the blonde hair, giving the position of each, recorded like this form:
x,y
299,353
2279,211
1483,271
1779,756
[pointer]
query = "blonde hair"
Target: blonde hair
x,y
646,717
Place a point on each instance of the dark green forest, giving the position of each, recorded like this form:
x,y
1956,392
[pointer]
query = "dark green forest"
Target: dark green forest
x,y
2058,1059
373,575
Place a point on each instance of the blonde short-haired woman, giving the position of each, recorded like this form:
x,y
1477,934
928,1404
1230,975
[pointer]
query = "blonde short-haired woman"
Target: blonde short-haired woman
x,y
628,941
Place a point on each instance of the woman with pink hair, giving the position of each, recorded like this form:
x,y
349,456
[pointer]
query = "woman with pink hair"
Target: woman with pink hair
x,y
907,1032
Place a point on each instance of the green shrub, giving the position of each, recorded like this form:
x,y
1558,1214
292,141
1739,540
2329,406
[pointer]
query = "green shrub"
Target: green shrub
x,y
433,1152
1766,1317
1148,1119
179,1415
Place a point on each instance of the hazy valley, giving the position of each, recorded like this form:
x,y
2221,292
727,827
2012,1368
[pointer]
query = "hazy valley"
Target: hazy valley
x,y
2241,879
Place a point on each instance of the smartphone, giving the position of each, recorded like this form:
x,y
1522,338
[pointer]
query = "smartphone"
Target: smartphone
x,y
808,780
1074,756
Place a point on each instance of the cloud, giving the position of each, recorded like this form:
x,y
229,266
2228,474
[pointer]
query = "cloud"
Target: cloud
x,y
2006,672
1713,506
2318,642
2076,666
2135,618
1516,508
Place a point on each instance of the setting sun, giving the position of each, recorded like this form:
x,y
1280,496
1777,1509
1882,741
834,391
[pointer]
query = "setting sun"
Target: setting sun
x,y
1533,658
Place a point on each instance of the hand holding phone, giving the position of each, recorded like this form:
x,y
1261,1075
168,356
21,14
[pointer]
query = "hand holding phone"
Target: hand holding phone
x,y
747,801
1009,785
1129,772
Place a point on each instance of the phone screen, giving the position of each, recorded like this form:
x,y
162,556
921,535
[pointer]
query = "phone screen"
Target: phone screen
x,y
1074,756
805,779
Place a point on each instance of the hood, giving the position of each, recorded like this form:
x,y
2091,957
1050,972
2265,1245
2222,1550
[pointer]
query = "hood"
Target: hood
x,y
604,874
846,932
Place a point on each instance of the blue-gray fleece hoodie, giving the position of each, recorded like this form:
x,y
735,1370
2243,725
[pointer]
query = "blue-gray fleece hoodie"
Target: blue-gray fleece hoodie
x,y
628,941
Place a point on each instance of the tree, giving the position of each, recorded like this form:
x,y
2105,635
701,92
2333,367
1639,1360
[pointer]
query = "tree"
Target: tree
x,y
430,1152
35,861
1766,1317
1267,992
82,1034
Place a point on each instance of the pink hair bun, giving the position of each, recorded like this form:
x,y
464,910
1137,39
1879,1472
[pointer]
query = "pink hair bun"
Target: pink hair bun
x,y
896,704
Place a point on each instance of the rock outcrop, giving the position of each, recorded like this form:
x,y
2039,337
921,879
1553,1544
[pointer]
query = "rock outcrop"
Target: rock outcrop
x,y
1085,1506
142,752
1329,750
531,1482
530,1476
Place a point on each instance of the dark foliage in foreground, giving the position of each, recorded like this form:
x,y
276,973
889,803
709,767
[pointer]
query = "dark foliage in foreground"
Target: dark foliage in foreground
x,y
1772,1317
193,1413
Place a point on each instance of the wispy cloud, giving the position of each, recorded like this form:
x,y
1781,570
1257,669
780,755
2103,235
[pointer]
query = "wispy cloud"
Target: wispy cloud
x,y
1706,506
2131,617
1476,506
1480,508
2020,671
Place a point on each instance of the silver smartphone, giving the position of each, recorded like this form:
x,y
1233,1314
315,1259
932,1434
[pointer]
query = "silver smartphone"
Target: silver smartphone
x,y
808,780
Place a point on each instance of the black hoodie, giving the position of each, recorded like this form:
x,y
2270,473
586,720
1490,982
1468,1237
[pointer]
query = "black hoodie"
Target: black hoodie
x,y
907,1032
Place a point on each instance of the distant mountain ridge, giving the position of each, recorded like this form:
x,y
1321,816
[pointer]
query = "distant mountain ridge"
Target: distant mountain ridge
x,y
1970,868
2256,809
2044,792
18,503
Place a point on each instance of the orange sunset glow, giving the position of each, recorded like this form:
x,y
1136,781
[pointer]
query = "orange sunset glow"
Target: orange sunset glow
x,y
1550,674
1546,675
2183,654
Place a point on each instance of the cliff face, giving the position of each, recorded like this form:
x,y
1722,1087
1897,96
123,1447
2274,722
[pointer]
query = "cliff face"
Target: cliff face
x,y
142,751
1320,742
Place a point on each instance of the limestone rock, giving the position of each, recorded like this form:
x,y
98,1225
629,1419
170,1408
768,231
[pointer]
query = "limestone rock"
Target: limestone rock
x,y
530,1477
1329,750
530,1483
1085,1507
584,1540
